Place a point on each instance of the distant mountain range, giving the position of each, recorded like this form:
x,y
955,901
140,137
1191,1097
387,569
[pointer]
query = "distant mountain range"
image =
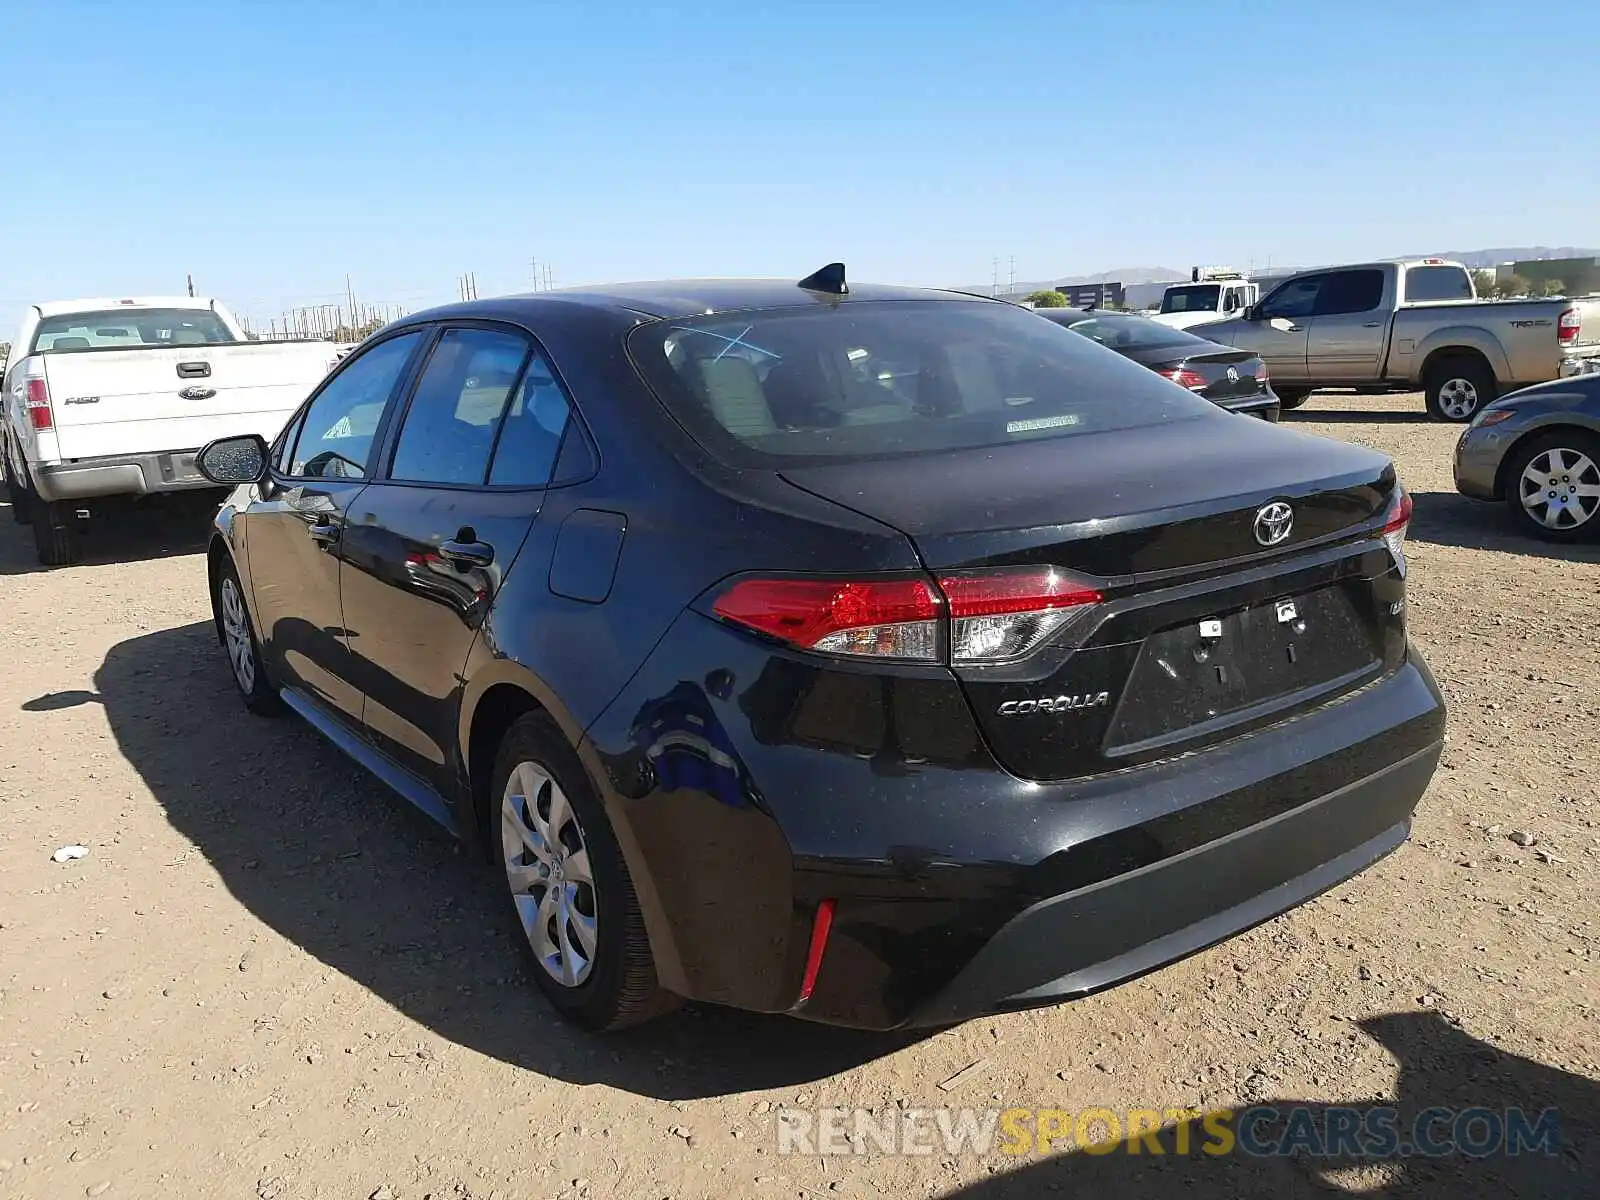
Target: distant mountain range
x,y
1475,259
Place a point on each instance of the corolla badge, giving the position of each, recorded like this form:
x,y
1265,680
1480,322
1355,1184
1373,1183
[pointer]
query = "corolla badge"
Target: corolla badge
x,y
198,393
1054,704
1274,523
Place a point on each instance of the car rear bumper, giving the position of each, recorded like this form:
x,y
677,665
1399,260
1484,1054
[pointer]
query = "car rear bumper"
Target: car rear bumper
x,y
120,475
1072,945
957,888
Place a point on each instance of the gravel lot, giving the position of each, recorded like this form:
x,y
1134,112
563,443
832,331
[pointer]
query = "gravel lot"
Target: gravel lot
x,y
269,978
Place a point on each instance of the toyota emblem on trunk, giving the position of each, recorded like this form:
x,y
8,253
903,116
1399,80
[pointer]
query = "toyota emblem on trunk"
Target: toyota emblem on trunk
x,y
1274,523
1233,374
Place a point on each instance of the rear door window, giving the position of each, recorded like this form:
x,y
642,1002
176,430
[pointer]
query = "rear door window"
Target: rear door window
x,y
531,435
864,379
449,430
1349,292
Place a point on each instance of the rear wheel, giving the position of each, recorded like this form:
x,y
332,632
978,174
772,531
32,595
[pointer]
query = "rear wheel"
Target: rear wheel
x,y
1456,388
55,530
1292,397
1553,486
570,896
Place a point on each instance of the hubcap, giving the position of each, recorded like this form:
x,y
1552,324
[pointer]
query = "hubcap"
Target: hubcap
x,y
547,866
1458,399
1561,488
236,634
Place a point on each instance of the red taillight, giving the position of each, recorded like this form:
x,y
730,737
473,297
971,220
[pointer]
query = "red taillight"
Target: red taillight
x,y
1568,326
985,616
1394,526
999,615
1261,371
820,925
893,618
1184,377
39,404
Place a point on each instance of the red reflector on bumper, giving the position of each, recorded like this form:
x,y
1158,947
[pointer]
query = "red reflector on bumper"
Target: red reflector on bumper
x,y
820,925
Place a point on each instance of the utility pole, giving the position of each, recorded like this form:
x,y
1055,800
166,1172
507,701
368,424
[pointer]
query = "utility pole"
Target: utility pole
x,y
533,265
994,285
1012,290
191,285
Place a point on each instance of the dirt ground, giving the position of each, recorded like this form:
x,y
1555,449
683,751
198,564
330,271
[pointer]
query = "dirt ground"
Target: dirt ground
x,y
269,978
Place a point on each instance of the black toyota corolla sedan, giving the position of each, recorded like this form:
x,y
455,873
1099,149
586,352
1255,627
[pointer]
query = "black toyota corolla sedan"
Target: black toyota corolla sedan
x,y
881,656
1232,379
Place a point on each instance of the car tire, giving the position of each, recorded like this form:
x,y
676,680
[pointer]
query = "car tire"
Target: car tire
x,y
1456,388
566,886
237,635
1292,397
55,530
1565,504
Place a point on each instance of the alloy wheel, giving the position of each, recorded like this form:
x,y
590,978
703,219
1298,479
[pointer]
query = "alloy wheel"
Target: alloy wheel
x,y
1458,398
547,865
1560,488
236,635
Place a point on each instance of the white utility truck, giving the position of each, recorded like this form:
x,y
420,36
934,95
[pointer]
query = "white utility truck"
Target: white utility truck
x,y
113,398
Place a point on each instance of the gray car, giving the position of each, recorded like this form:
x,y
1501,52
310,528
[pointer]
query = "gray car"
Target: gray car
x,y
1538,450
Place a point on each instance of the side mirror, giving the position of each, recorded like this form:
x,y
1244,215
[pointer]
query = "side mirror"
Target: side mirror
x,y
234,460
1252,312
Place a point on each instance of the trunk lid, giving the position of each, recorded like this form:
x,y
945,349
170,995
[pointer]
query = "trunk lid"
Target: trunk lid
x,y
1126,504
1229,374
1203,631
148,400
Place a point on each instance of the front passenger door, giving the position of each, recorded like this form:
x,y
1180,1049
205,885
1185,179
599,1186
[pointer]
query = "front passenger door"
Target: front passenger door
x,y
295,527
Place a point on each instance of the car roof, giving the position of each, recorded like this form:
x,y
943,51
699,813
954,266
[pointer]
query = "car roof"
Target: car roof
x,y
686,298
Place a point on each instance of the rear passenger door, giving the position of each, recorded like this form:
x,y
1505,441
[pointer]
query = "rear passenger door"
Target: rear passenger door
x,y
428,542
1348,327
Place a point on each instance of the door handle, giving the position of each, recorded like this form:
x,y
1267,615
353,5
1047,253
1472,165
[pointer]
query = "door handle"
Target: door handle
x,y
1296,329
323,534
466,554
1373,325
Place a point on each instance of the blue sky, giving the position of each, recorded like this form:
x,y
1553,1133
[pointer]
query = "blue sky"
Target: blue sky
x,y
270,148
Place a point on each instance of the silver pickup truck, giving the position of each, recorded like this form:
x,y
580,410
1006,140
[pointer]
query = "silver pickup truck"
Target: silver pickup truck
x,y
1400,326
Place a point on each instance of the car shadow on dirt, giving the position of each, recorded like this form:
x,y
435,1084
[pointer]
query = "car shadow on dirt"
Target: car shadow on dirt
x,y
1451,519
344,869
119,532
1444,1074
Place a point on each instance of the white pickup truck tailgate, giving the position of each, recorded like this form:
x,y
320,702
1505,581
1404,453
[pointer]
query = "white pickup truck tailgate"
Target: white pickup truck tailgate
x,y
115,402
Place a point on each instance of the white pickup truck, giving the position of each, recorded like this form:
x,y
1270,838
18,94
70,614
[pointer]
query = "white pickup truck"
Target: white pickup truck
x,y
113,398
1209,296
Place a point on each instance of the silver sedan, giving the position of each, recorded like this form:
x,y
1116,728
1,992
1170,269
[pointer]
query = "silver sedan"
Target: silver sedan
x,y
1538,451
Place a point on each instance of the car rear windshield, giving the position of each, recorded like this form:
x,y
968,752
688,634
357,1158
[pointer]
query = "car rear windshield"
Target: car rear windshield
x,y
1124,333
1438,283
129,329
827,383
1202,298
